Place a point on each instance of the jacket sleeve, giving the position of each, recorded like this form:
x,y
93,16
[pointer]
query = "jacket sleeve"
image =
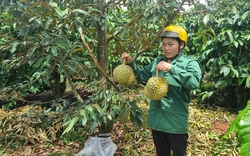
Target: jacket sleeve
x,y
143,74
189,77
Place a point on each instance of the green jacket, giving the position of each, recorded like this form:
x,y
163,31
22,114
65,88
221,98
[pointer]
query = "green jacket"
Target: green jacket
x,y
170,114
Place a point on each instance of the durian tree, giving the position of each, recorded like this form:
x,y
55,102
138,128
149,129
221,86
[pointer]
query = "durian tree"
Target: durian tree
x,y
132,26
46,44
39,48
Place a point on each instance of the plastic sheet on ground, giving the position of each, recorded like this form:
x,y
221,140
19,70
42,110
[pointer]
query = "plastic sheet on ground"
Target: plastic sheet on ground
x,y
98,146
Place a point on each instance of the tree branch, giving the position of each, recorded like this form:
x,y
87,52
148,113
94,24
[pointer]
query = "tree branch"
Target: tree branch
x,y
96,62
127,25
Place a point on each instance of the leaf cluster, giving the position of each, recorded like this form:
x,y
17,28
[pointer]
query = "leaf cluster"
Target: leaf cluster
x,y
105,106
241,125
40,40
220,39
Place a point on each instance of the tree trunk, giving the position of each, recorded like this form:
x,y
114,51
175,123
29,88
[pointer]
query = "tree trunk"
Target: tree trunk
x,y
58,88
242,96
102,55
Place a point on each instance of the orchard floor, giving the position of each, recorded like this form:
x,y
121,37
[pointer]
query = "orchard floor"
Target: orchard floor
x,y
207,126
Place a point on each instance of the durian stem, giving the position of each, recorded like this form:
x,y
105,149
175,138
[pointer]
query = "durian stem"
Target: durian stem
x,y
157,72
124,61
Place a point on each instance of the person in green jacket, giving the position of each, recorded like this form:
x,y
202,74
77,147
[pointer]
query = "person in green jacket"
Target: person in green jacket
x,y
168,117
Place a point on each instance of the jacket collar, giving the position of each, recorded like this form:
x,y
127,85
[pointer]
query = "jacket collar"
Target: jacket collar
x,y
176,59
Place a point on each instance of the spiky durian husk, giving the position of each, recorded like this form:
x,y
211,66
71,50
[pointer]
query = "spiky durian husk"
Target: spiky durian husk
x,y
124,75
156,88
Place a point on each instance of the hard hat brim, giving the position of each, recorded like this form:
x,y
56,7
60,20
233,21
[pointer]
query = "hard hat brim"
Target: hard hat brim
x,y
169,34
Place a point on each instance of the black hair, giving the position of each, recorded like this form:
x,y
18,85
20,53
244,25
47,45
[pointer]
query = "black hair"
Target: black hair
x,y
178,40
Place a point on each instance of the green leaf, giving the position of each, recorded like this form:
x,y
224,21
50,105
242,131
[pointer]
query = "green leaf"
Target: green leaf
x,y
84,118
207,95
236,44
235,73
241,42
61,45
133,107
81,11
206,19
247,36
109,97
233,126
244,149
34,5
245,15
248,82
109,117
46,35
54,51
70,124
54,4
137,119
225,70
230,35
204,39
219,84
175,5
32,18
89,108
80,30
99,109
14,46
241,80
59,12
94,10
72,67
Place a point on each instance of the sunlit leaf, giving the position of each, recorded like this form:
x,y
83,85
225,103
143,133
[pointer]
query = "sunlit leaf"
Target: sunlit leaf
x,y
89,108
70,124
81,11
235,73
225,70
84,118
248,82
59,12
54,4
61,45
54,50
206,19
230,35
32,18
236,44
247,13
14,46
99,109
234,124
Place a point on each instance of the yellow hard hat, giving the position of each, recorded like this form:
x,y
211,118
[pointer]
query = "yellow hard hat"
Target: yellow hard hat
x,y
175,31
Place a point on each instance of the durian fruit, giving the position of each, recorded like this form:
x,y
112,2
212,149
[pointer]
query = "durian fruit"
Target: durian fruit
x,y
128,137
156,87
124,75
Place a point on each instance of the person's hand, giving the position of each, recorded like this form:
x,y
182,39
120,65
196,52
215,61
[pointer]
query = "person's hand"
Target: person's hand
x,y
126,58
163,66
